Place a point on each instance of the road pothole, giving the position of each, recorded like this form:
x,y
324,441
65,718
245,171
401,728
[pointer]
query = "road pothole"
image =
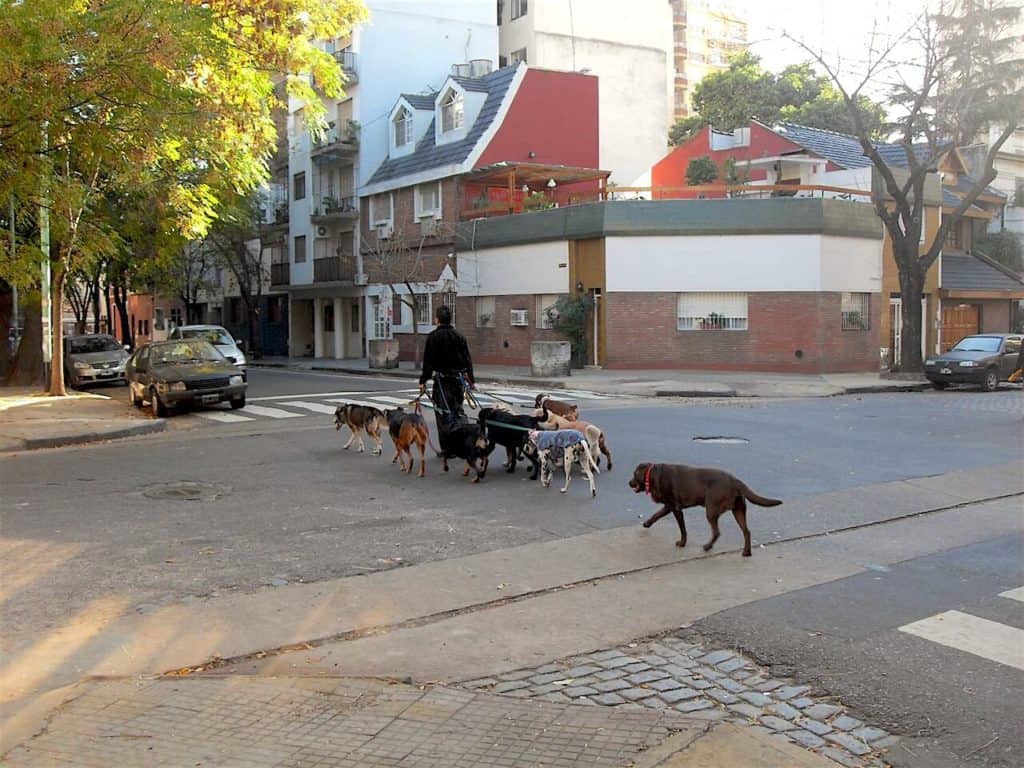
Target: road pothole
x,y
721,439
186,490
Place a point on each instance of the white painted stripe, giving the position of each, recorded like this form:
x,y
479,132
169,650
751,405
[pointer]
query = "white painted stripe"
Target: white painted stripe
x,y
368,403
315,407
980,637
271,413
294,396
389,400
1014,594
583,394
222,416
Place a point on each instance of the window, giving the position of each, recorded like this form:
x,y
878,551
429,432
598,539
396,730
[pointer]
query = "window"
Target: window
x,y
381,319
329,317
502,61
354,322
712,312
518,9
299,186
275,309
175,317
856,309
452,114
485,312
501,10
1012,346
544,303
954,239
448,299
422,303
300,249
517,56
1018,192
380,209
403,128
158,320
428,200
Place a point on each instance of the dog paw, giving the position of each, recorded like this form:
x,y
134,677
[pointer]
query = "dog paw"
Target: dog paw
x,y
746,553
646,524
707,547
681,543
593,494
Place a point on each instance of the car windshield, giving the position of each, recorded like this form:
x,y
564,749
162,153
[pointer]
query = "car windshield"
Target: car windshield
x,y
194,351
88,344
978,344
212,335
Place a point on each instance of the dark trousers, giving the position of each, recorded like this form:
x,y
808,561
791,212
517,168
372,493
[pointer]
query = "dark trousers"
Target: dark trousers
x,y
447,399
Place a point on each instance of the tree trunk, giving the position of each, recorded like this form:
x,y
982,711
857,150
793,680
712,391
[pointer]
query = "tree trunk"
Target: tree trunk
x,y
96,305
56,385
912,279
6,312
28,359
110,316
121,300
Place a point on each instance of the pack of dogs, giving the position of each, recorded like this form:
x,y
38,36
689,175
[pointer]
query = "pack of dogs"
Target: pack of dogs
x,y
553,436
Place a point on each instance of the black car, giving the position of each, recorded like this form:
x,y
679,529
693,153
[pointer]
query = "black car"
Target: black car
x,y
92,359
168,374
984,359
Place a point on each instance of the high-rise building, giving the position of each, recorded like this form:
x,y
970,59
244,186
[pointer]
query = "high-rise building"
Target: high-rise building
x,y
705,33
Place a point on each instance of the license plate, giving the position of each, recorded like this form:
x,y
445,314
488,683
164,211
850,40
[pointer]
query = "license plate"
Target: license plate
x,y
945,370
209,399
105,374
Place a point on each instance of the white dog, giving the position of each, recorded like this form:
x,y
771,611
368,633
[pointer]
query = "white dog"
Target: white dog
x,y
573,447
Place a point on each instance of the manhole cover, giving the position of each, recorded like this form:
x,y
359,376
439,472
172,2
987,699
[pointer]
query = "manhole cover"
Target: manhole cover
x,y
186,490
722,439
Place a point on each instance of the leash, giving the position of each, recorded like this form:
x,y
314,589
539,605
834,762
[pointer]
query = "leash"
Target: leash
x,y
418,407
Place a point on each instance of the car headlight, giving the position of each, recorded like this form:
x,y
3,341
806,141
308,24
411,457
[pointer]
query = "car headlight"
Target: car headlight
x,y
967,363
929,361
240,360
236,381
81,365
174,386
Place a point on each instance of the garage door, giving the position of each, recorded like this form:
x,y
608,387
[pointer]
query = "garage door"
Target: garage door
x,y
957,322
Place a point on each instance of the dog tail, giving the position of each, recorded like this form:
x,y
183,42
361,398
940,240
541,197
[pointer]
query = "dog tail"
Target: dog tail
x,y
604,449
761,501
590,457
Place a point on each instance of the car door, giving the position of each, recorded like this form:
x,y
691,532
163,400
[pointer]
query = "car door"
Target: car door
x,y
1008,358
139,376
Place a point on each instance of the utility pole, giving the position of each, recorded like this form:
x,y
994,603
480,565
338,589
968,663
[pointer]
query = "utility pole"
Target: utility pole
x,y
44,246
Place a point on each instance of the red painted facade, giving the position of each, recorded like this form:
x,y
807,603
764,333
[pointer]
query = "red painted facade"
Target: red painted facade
x,y
670,171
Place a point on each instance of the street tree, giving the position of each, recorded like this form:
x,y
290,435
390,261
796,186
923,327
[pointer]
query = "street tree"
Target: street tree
x,y
939,79
701,170
108,95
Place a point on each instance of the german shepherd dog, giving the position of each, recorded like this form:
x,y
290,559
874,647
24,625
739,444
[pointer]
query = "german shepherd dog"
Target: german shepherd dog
x,y
359,419
569,411
407,429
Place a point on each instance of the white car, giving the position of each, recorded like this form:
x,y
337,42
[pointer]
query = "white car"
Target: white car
x,y
216,335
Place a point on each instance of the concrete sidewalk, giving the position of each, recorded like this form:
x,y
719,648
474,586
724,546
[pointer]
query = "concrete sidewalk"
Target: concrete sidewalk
x,y
30,420
653,383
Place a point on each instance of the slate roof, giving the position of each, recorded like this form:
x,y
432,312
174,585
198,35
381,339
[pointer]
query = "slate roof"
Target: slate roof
x,y
427,154
963,272
420,100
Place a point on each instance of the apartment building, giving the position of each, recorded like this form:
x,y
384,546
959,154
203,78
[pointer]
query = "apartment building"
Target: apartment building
x,y
705,33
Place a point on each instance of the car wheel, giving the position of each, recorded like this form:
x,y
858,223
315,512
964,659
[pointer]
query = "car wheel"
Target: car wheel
x,y
158,409
238,402
991,380
940,384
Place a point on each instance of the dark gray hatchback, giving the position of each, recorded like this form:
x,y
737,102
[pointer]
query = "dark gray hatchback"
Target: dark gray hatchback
x,y
984,359
168,374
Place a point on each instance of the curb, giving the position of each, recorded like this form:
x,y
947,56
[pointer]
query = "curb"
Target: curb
x,y
698,393
58,441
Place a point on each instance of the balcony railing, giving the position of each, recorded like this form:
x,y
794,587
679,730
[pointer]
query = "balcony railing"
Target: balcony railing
x,y
332,269
337,144
347,60
335,209
281,274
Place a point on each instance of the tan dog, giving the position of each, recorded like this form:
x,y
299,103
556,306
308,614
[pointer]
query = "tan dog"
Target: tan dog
x,y
569,411
593,433
360,419
407,430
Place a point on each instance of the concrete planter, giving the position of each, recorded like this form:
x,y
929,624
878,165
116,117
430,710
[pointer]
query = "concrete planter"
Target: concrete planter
x,y
383,353
550,358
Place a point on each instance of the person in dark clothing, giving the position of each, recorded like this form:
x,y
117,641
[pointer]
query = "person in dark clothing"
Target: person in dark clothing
x,y
446,359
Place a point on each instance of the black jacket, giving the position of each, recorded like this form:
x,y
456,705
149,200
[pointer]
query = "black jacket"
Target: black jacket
x,y
446,351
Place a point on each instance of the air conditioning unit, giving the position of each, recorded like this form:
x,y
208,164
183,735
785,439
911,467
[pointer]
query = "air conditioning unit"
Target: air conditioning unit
x,y
383,231
321,231
360,279
520,317
428,226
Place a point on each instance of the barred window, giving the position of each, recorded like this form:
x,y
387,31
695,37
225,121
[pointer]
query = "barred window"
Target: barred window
x,y
448,299
485,312
711,312
856,309
544,303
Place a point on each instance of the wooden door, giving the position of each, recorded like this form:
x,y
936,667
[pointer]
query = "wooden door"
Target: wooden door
x,y
957,322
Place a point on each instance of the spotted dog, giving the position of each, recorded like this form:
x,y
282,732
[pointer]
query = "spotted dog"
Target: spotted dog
x,y
571,446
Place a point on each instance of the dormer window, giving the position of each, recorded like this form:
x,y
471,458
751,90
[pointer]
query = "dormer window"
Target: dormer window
x,y
452,112
403,128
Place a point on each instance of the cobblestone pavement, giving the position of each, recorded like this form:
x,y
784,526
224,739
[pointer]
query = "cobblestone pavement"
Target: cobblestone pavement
x,y
673,674
305,722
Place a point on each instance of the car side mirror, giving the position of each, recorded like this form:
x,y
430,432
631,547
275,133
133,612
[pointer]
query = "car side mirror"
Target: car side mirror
x,y
127,348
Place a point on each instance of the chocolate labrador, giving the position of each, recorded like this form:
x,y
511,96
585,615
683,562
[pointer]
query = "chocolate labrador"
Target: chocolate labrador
x,y
677,486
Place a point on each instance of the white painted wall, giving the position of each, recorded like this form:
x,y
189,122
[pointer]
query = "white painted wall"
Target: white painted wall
x,y
520,269
751,263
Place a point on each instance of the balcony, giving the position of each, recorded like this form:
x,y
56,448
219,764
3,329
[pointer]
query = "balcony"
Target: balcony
x,y
280,274
337,145
333,269
347,60
335,209
275,217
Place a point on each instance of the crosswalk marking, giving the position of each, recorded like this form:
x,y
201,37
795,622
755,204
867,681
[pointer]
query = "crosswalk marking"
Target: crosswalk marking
x,y
387,399
315,407
224,417
1014,594
271,413
351,401
300,396
980,637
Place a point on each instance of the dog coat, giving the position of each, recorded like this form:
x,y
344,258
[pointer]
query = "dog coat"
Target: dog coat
x,y
558,439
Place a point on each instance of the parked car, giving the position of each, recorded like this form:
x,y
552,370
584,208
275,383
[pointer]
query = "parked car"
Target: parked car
x,y
217,336
92,359
984,359
171,374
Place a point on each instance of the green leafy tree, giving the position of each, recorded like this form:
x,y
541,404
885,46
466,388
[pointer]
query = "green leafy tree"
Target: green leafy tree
x,y
570,316
701,170
1004,247
685,129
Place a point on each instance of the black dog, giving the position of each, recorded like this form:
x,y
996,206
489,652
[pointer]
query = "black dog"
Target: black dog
x,y
513,437
465,440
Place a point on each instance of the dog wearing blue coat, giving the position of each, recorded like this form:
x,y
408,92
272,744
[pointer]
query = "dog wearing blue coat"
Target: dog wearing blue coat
x,y
572,447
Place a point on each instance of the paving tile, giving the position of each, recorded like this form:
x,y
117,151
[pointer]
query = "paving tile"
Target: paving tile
x,y
509,686
581,670
790,692
607,686
755,698
545,679
746,710
635,694
679,694
769,685
608,699
653,660
722,697
700,685
610,674
732,686
666,684
815,726
776,723
822,711
801,702
869,735
849,743
841,757
716,657
616,662
887,743
846,723
576,691
483,682
785,711
518,674
693,705
806,739
732,665
647,677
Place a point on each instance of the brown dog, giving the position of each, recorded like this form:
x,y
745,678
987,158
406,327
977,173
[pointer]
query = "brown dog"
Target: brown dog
x,y
359,419
678,486
407,429
569,411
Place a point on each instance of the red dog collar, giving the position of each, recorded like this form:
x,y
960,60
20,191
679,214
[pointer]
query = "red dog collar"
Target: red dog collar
x,y
647,480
